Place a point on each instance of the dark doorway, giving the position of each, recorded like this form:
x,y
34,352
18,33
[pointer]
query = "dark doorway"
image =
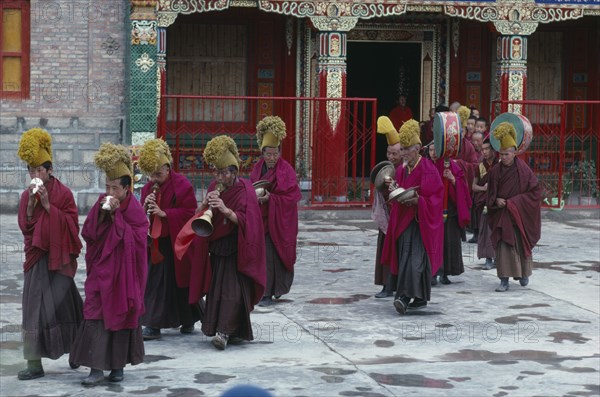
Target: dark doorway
x,y
381,70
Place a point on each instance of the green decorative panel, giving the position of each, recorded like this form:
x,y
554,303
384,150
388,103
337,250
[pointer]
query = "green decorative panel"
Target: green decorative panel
x,y
143,88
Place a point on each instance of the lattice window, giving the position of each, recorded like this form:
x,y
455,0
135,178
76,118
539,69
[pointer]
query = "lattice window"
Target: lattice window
x,y
14,49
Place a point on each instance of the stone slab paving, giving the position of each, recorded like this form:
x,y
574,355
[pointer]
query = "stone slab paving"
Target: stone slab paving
x,y
331,337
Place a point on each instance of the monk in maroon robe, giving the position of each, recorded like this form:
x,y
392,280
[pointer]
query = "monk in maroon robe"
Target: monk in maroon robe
x,y
167,304
514,214
52,306
456,216
485,248
115,232
279,209
229,264
413,245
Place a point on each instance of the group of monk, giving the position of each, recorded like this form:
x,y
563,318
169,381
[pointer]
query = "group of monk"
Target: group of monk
x,y
147,269
420,234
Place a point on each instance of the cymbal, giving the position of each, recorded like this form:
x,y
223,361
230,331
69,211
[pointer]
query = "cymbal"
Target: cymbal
x,y
402,194
377,167
387,171
262,184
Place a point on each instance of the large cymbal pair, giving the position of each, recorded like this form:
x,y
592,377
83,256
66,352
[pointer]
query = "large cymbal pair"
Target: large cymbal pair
x,y
382,172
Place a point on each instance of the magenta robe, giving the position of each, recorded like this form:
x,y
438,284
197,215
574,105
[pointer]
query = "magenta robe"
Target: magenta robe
x,y
251,257
55,232
458,193
428,212
281,209
117,265
178,200
519,186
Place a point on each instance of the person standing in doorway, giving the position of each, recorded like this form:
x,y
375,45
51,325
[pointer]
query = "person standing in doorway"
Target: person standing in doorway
x,y
401,112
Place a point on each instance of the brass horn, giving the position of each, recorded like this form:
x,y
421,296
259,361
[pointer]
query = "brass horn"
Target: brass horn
x,y
202,225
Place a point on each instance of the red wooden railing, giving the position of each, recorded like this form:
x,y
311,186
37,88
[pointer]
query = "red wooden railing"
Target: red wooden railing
x,y
330,143
565,149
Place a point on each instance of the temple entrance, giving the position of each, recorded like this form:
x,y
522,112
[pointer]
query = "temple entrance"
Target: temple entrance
x,y
384,70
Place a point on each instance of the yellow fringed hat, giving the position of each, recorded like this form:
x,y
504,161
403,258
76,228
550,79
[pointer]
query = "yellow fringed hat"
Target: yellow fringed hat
x,y
463,113
409,133
386,127
221,152
114,160
154,154
506,134
270,131
35,147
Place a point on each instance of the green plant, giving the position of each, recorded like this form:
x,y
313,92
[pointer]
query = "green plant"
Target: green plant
x,y
585,177
549,183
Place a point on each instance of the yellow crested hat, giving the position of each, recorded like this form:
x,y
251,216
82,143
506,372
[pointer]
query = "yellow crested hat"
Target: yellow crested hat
x,y
463,113
386,127
270,131
154,154
221,152
409,133
506,134
35,147
114,160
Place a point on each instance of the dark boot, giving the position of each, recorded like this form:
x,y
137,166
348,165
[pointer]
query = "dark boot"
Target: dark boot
x,y
116,375
401,304
503,287
34,370
265,301
445,280
149,333
95,377
489,264
524,281
417,303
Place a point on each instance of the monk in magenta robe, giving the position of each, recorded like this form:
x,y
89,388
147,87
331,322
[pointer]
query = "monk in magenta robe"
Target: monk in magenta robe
x,y
279,209
170,201
413,246
115,232
52,306
457,214
514,211
229,264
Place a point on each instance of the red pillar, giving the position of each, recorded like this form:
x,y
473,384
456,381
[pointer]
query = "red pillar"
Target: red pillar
x,y
330,143
512,69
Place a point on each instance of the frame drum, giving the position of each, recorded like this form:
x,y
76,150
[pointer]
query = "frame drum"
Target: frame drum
x,y
522,126
447,134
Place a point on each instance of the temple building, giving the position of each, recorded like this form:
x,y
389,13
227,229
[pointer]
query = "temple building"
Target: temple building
x,y
126,71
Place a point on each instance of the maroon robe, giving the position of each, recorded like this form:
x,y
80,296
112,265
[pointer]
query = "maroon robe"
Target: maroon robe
x,y
117,265
428,211
241,199
399,115
480,198
458,193
281,220
178,201
519,186
55,233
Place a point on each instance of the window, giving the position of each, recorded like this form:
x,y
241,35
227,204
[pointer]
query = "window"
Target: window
x,y
14,49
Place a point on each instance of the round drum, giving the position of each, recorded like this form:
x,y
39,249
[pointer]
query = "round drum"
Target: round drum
x,y
447,134
522,126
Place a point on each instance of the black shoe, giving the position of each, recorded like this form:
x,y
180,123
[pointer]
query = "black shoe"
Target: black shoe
x,y
234,340
473,240
445,280
277,296
265,301
503,287
524,281
95,377
116,375
150,333
73,365
417,303
30,373
434,281
384,293
401,304
187,329
489,264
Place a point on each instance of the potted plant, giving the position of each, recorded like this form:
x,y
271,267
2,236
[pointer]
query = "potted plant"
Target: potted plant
x,y
550,185
585,178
